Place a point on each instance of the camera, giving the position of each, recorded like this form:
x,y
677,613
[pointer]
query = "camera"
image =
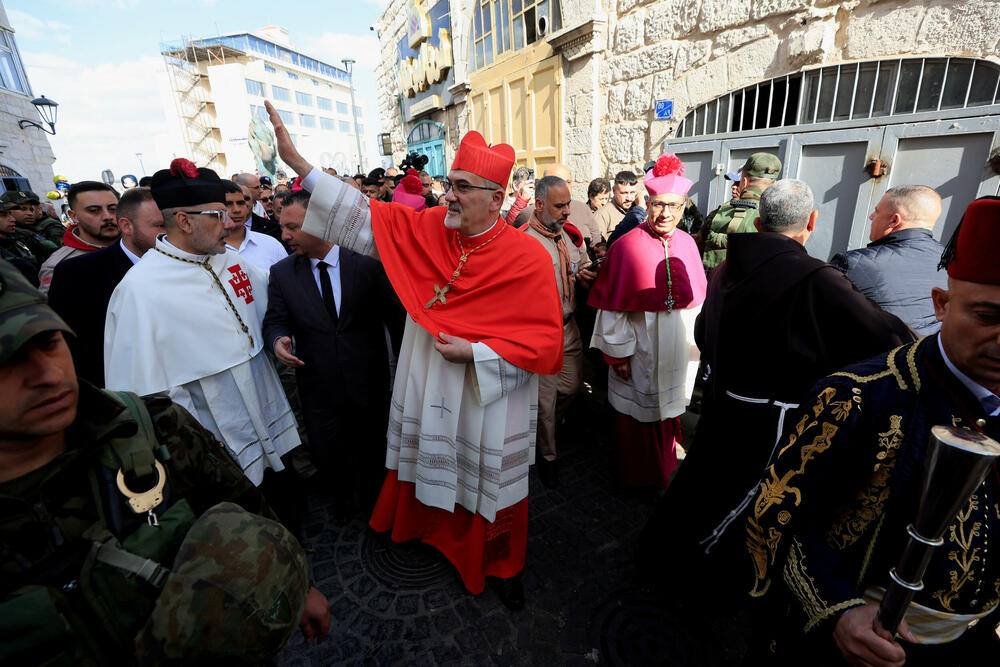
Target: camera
x,y
414,161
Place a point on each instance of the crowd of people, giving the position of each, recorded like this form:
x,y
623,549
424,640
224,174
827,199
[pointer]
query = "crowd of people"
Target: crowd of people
x,y
186,362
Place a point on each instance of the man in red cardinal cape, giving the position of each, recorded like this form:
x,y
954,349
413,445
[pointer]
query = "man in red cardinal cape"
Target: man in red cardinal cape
x,y
484,321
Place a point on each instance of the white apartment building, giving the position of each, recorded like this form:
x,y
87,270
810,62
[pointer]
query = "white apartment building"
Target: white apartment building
x,y
219,84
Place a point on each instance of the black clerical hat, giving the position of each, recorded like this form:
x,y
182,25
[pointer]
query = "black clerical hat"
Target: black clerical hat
x,y
184,184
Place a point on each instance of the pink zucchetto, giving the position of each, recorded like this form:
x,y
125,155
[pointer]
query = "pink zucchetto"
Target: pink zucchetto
x,y
667,177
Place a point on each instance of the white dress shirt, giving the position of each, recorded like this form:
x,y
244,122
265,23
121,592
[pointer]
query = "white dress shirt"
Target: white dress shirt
x,y
333,270
260,250
128,253
986,398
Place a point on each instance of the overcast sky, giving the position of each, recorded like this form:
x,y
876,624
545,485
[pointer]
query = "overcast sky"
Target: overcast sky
x,y
100,60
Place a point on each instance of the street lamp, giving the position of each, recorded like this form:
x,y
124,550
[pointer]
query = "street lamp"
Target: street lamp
x,y
357,132
47,110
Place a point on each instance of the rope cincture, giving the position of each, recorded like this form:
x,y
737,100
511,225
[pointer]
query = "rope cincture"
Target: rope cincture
x,y
205,265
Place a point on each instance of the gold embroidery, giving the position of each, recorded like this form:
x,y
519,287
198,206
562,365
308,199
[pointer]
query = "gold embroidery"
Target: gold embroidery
x,y
762,551
891,361
869,550
969,555
804,588
911,362
870,503
774,490
863,378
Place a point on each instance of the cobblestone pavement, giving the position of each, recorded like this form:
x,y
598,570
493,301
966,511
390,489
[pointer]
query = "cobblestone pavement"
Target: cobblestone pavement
x,y
404,604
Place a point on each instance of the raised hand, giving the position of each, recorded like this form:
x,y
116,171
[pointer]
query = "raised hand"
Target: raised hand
x,y
286,149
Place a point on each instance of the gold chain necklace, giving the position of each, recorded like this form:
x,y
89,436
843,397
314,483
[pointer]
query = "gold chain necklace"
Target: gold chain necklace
x,y
205,265
439,292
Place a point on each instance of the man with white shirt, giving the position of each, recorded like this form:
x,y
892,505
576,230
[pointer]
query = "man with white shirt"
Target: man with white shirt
x,y
81,286
830,517
485,321
186,321
334,303
259,249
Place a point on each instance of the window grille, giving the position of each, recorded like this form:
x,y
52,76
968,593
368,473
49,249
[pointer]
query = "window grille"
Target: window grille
x,y
853,91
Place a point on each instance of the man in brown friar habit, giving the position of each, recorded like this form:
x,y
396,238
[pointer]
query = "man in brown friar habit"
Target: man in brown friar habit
x,y
484,322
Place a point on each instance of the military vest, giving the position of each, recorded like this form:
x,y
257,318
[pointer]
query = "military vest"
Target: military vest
x,y
736,217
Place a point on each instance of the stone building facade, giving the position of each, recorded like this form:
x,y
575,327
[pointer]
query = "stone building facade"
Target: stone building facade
x,y
611,61
26,156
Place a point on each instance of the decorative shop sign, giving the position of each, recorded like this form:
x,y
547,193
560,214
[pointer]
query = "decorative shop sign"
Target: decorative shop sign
x,y
424,68
664,109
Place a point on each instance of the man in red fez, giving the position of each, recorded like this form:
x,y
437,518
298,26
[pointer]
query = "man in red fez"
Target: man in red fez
x,y
484,322
830,517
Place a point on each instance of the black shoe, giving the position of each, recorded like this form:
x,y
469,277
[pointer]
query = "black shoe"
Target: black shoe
x,y
511,592
548,472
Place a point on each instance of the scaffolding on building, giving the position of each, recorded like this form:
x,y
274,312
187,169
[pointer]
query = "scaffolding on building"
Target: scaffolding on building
x,y
187,63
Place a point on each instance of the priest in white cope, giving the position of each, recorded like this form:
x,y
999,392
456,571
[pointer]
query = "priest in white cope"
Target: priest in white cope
x,y
186,320
648,296
484,321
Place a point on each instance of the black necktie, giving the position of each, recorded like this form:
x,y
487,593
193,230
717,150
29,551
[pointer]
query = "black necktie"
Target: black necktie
x,y
327,289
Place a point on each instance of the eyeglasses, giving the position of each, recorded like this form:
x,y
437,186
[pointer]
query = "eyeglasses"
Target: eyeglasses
x,y
674,207
462,188
220,214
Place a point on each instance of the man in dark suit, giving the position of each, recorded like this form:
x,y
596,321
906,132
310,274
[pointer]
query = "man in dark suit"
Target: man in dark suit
x,y
334,303
82,286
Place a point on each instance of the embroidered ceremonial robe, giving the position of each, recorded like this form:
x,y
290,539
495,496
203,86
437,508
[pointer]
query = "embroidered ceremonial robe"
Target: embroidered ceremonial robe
x,y
634,322
829,519
461,436
170,328
775,321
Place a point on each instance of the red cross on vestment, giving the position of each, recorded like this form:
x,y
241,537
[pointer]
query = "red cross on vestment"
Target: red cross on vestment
x,y
241,283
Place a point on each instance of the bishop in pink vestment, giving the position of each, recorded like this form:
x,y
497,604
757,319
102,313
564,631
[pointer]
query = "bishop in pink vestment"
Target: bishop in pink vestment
x,y
648,297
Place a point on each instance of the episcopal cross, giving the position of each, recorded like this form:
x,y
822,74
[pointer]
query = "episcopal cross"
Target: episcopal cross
x,y
442,408
439,295
669,303
241,283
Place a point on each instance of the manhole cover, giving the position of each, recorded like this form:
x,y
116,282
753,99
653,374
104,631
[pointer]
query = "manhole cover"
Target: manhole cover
x,y
410,565
632,629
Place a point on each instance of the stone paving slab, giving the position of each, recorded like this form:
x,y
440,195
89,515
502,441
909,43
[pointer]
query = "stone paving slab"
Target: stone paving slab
x,y
404,604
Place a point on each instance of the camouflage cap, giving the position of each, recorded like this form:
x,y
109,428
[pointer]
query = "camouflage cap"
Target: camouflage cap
x,y
24,312
235,594
762,165
19,197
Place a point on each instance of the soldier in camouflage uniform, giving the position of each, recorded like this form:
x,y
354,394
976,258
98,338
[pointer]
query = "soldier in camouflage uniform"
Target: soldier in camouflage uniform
x,y
737,217
29,219
16,248
47,223
127,533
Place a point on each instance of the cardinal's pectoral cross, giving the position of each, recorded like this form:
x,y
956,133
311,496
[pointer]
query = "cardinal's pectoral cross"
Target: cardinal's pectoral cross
x,y
439,295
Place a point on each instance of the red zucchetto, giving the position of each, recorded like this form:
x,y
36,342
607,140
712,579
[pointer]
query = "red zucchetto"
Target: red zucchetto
x,y
491,162
973,254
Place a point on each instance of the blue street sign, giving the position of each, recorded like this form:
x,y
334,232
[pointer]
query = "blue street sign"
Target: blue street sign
x,y
664,109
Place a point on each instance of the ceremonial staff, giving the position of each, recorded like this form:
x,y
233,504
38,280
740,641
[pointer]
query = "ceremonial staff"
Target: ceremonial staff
x,y
957,461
